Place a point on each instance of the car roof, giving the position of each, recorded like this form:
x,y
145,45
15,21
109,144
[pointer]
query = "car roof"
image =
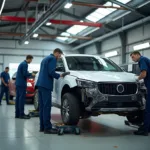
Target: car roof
x,y
82,55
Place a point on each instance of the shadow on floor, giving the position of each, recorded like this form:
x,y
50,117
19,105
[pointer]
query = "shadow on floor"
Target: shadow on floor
x,y
96,129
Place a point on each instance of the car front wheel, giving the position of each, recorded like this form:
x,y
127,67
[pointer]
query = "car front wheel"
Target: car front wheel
x,y
36,101
70,109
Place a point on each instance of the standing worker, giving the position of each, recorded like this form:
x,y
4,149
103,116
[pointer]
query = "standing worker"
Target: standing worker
x,y
45,88
21,85
5,78
144,64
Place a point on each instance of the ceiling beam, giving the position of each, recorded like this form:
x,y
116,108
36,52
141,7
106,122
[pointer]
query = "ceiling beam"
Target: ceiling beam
x,y
19,9
128,7
96,5
65,22
49,14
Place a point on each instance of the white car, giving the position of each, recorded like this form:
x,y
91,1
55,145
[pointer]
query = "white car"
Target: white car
x,y
95,86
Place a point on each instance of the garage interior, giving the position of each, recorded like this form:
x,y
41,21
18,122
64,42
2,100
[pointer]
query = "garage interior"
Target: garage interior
x,y
105,28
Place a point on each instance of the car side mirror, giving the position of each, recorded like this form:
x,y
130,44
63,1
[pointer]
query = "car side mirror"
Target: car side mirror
x,y
60,69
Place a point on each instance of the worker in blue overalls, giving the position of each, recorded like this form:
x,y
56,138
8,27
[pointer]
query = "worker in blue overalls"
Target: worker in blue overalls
x,y
144,65
45,87
21,85
5,78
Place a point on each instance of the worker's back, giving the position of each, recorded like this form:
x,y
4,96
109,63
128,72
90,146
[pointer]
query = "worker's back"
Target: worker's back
x,y
45,80
21,74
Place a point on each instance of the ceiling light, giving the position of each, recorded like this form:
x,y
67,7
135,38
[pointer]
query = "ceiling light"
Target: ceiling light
x,y
48,23
26,42
111,54
68,5
35,35
141,46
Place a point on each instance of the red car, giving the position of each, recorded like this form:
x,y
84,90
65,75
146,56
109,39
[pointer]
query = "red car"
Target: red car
x,y
30,91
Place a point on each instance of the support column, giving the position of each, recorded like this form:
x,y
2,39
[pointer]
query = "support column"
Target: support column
x,y
98,47
123,38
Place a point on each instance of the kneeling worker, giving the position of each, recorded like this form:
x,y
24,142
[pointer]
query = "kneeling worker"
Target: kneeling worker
x,y
144,64
45,87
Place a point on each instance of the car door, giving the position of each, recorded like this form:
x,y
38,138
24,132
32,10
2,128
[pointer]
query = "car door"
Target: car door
x,y
60,68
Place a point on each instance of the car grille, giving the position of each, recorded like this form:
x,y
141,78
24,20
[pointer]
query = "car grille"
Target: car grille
x,y
111,88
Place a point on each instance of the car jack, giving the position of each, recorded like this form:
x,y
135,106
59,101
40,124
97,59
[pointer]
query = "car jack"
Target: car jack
x,y
33,113
62,129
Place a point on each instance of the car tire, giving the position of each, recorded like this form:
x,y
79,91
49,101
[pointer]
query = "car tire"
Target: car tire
x,y
136,118
36,101
70,109
11,97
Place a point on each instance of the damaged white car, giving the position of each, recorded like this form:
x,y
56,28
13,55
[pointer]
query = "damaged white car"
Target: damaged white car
x,y
95,86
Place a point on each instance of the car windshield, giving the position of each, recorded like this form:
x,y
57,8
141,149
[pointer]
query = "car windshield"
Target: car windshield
x,y
84,63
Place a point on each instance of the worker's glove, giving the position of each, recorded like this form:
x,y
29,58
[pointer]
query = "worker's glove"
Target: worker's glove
x,y
65,74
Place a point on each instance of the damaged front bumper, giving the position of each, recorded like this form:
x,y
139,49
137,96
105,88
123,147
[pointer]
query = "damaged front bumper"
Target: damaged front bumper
x,y
95,101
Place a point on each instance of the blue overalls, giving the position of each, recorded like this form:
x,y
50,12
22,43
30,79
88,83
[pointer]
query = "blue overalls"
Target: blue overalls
x,y
5,89
45,88
144,64
21,85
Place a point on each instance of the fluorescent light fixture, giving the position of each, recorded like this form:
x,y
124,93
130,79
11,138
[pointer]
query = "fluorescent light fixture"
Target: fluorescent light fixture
x,y
141,46
111,54
35,35
68,5
26,42
48,23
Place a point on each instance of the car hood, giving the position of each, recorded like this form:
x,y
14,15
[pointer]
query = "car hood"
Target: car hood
x,y
104,76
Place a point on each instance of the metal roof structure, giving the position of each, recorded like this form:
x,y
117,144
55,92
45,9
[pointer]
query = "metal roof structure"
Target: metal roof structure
x,y
69,21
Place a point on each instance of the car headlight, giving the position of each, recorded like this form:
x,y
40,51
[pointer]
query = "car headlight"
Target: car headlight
x,y
29,84
85,83
141,84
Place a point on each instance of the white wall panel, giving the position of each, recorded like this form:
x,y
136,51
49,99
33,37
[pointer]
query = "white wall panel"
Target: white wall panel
x,y
35,45
20,52
115,59
146,53
19,59
91,49
12,52
138,34
130,47
111,43
1,58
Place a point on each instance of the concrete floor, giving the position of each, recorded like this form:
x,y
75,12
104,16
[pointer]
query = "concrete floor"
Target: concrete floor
x,y
106,132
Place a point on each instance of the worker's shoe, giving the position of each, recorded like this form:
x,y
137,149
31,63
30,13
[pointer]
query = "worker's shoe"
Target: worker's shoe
x,y
17,117
41,130
25,117
141,132
51,131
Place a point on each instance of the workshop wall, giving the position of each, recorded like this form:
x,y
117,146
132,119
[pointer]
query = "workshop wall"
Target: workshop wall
x,y
90,49
135,36
12,52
